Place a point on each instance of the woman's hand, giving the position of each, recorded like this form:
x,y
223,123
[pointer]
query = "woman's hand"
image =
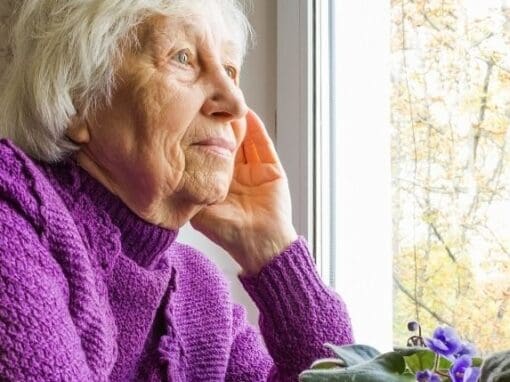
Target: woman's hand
x,y
254,223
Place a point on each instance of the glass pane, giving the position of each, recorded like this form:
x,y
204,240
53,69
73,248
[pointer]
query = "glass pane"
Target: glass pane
x,y
450,110
360,169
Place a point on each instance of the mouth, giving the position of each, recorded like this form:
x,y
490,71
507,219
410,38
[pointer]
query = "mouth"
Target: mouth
x,y
218,146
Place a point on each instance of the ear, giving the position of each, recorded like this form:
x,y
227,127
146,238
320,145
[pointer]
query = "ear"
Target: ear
x,y
78,130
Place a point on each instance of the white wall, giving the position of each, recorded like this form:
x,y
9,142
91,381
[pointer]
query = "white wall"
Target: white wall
x,y
258,80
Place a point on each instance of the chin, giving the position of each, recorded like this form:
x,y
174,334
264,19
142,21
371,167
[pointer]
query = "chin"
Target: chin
x,y
217,193
209,185
213,191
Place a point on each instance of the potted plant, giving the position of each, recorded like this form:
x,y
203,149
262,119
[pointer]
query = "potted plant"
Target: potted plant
x,y
442,357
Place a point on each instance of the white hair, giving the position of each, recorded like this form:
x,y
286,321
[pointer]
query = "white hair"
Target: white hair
x,y
63,54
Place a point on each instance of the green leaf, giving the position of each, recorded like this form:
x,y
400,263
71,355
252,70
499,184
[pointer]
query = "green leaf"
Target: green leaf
x,y
408,350
420,358
327,363
477,361
425,360
354,354
445,364
387,367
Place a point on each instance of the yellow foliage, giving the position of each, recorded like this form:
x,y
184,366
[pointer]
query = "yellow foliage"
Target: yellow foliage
x,y
430,216
446,155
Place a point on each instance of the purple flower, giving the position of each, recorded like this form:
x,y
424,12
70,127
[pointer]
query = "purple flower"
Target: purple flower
x,y
427,376
444,341
471,374
466,348
461,370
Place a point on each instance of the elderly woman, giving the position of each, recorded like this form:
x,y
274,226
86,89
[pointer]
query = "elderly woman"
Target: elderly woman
x,y
124,120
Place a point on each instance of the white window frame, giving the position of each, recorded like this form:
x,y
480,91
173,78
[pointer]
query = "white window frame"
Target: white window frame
x,y
363,280
293,134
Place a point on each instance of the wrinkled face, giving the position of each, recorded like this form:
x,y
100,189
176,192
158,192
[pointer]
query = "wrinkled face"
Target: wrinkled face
x,y
167,139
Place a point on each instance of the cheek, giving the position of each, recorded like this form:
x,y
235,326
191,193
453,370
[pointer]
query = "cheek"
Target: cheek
x,y
170,111
167,109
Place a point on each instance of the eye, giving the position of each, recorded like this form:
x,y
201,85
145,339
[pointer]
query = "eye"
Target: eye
x,y
231,71
183,57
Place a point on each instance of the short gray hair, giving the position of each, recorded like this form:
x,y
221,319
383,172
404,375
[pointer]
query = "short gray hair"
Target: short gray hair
x,y
64,53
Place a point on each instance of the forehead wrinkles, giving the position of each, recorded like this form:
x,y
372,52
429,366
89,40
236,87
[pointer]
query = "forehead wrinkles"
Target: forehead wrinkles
x,y
214,36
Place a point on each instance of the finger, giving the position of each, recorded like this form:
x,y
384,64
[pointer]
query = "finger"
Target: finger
x,y
240,157
239,128
251,152
257,133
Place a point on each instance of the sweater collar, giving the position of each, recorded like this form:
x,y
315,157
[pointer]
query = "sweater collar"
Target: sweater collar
x,y
143,242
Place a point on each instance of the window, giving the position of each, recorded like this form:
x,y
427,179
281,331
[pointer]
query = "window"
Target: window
x,y
399,158
354,142
450,106
352,251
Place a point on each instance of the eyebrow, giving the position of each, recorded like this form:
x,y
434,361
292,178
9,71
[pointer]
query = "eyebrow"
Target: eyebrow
x,y
229,47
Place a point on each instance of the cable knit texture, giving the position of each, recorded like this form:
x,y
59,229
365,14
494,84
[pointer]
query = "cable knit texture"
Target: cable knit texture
x,y
90,292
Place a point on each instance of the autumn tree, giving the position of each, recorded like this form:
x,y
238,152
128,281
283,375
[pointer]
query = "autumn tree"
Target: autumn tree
x,y
451,167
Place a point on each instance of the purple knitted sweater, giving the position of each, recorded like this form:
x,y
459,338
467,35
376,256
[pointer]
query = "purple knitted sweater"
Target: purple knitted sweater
x,y
90,292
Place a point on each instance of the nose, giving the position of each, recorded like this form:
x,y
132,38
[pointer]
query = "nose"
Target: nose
x,y
225,100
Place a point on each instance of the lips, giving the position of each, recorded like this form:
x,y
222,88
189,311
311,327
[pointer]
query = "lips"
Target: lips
x,y
219,143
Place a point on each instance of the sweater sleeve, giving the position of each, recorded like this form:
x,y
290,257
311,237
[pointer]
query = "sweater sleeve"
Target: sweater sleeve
x,y
298,315
38,341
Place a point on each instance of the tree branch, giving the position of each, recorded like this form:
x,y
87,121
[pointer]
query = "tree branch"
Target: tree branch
x,y
436,231
440,238
420,303
483,108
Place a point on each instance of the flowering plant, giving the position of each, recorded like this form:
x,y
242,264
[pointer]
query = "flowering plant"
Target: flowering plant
x,y
440,358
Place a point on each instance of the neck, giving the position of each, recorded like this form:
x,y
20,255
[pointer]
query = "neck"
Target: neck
x,y
108,223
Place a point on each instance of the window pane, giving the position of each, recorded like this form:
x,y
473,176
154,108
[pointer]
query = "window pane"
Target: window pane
x,y
450,110
361,166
